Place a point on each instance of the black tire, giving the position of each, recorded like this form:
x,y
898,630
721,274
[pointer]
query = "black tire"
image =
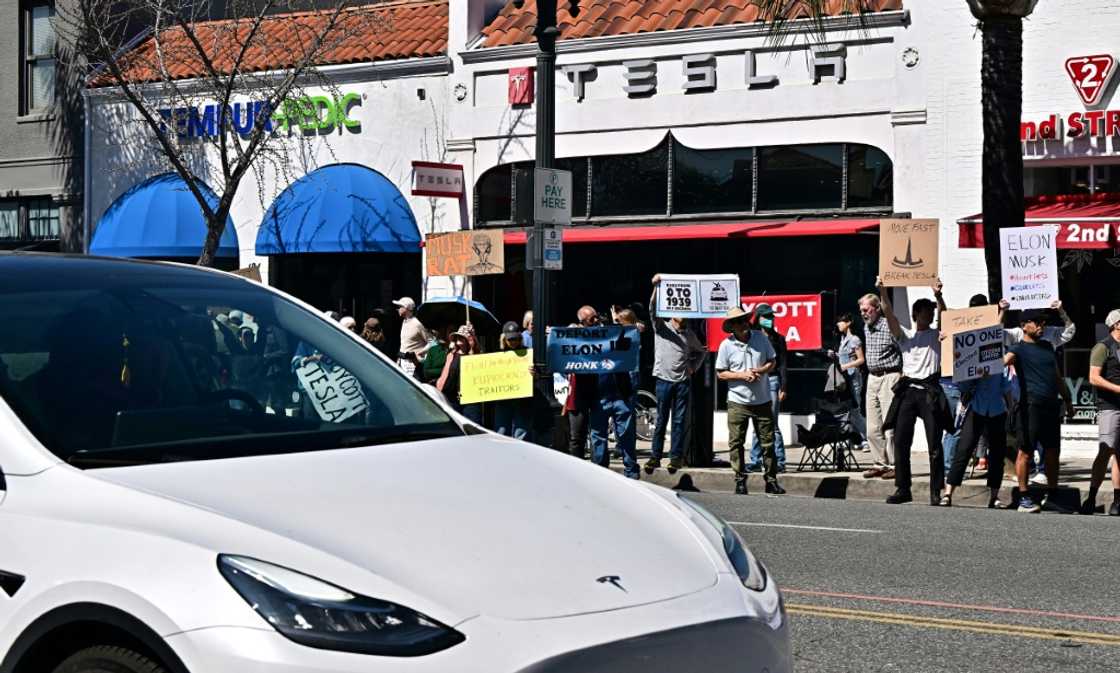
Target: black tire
x,y
108,659
645,415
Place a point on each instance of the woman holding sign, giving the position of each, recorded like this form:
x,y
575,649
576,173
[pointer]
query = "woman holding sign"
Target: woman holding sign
x,y
986,402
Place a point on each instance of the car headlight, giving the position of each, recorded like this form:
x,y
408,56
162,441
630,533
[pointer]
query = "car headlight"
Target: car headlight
x,y
317,614
750,571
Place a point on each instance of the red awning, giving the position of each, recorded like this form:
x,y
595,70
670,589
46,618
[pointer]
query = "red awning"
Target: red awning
x,y
662,232
1084,221
816,228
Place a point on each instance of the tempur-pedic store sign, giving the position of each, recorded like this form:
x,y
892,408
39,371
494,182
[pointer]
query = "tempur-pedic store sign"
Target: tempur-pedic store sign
x,y
310,114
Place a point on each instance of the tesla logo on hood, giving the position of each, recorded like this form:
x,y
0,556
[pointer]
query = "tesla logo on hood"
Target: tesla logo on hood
x,y
612,579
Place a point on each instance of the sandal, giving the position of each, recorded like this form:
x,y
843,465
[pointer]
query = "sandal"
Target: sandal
x,y
946,501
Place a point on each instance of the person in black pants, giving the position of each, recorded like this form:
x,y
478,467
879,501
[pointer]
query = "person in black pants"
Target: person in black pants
x,y
986,401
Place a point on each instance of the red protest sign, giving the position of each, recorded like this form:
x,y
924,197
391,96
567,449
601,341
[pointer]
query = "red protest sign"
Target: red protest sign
x,y
796,316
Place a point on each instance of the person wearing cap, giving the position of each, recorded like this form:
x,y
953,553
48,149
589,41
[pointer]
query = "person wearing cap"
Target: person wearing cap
x,y
348,323
513,418
744,361
414,338
448,383
677,354
764,322
917,394
1056,336
1104,375
1042,389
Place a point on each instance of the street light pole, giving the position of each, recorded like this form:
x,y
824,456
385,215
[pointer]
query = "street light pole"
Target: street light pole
x,y
546,33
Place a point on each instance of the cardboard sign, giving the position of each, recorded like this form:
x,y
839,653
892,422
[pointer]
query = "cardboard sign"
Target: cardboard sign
x,y
593,350
978,353
334,392
908,252
496,376
252,272
1029,260
466,253
963,320
797,317
710,296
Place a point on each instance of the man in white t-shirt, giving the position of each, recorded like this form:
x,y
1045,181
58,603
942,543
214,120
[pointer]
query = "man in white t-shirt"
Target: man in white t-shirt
x,y
414,338
918,394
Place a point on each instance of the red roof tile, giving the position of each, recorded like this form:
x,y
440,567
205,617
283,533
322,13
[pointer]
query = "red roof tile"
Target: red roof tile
x,y
386,31
601,17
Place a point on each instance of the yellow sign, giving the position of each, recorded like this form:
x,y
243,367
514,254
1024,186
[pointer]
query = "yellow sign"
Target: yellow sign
x,y
496,376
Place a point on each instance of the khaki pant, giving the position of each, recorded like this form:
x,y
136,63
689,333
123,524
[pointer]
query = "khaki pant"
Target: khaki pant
x,y
738,418
880,394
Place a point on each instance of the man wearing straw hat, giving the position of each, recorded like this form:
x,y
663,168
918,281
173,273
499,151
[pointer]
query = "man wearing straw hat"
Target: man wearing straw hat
x,y
745,360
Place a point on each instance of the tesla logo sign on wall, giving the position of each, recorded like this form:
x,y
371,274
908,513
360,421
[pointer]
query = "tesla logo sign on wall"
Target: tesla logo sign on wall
x,y
1090,76
520,86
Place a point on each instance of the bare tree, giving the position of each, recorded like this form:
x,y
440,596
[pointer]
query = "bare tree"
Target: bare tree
x,y
186,76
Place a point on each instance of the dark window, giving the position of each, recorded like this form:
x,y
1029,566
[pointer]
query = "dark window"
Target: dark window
x,y
42,219
631,184
38,59
9,221
712,181
578,167
870,177
494,195
800,177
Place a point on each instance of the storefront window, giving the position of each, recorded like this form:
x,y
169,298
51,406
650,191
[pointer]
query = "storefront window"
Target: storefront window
x,y
9,221
42,219
870,177
494,195
631,184
712,181
801,177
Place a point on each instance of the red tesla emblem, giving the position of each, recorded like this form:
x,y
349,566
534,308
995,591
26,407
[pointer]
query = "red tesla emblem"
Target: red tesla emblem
x,y
520,86
1090,75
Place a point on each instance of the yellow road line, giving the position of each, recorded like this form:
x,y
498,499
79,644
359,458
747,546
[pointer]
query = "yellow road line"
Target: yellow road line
x,y
992,628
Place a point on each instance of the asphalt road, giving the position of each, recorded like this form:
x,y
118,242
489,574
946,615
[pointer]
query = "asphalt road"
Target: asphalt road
x,y
871,587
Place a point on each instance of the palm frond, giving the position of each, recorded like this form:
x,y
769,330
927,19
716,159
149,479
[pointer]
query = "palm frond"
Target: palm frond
x,y
789,20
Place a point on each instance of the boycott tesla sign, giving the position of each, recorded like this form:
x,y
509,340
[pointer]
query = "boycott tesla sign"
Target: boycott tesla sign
x,y
312,114
796,316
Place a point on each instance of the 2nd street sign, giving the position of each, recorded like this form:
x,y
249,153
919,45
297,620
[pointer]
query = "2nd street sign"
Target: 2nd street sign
x,y
552,197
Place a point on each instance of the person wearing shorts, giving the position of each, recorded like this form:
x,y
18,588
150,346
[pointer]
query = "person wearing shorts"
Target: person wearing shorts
x,y
1037,366
1104,375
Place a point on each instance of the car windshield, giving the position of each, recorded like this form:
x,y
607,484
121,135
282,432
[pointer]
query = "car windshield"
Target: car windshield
x,y
189,365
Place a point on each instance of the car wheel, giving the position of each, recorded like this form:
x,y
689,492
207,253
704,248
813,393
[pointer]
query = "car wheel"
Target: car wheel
x,y
108,659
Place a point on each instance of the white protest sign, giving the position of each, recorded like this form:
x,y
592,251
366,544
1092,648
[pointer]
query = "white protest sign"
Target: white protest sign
x,y
1029,259
706,296
334,392
978,353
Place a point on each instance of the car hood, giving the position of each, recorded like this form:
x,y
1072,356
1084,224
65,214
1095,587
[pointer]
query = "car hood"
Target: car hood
x,y
487,525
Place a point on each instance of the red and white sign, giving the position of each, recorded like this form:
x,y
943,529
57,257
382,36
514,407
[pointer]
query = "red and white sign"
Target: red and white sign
x,y
431,179
796,316
1085,235
521,86
1090,76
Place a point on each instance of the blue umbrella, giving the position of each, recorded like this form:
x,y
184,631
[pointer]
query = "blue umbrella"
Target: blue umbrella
x,y
438,311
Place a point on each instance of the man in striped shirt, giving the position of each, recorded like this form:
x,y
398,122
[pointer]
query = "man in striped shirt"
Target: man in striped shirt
x,y
884,367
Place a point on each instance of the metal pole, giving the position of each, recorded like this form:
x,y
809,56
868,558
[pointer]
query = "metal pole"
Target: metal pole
x,y
546,33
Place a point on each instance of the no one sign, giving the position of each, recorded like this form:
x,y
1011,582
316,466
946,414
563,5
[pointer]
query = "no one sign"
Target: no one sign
x,y
978,353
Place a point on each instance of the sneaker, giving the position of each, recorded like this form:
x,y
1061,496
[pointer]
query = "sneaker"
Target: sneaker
x,y
900,497
754,468
887,474
995,503
1028,506
1039,478
772,488
865,448
674,465
982,465
1049,505
651,465
1115,509
740,487
1089,507
874,472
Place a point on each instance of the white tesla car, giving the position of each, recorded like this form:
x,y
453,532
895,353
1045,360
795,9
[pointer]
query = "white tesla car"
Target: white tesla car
x,y
199,474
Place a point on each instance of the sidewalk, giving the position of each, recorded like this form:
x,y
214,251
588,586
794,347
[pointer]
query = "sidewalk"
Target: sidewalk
x,y
1076,464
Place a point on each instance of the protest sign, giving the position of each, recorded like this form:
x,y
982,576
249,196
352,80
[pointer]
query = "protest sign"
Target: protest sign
x,y
963,320
797,317
1029,259
496,376
908,252
252,272
593,350
709,296
334,392
978,353
465,253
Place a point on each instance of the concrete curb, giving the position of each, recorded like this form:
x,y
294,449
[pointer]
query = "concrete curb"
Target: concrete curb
x,y
840,486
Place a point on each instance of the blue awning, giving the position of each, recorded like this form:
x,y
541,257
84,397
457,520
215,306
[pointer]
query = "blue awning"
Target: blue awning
x,y
159,218
339,208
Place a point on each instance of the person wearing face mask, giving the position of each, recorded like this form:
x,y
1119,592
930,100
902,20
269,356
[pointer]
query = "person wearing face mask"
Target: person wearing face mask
x,y
764,322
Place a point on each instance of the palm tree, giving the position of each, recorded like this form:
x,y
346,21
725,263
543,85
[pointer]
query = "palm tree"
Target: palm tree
x,y
1001,86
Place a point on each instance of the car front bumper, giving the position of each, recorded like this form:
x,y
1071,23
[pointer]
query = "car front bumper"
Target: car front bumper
x,y
719,630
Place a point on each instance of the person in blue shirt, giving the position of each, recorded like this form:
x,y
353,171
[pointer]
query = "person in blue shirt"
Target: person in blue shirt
x,y
986,402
